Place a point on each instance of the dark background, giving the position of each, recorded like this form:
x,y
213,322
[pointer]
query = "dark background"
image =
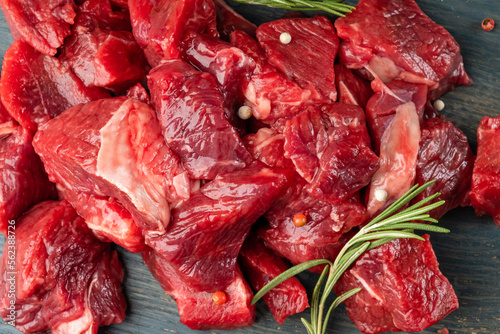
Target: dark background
x,y
469,256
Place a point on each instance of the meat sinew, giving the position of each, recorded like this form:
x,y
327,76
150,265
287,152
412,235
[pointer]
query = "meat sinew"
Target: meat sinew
x,y
114,148
395,39
402,288
485,190
66,280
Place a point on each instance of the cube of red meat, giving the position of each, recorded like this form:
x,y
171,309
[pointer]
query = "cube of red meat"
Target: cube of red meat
x,y
381,107
43,24
197,310
308,57
330,148
114,148
395,39
206,233
23,181
485,189
36,87
445,156
351,88
105,58
402,288
159,25
228,21
398,159
260,266
191,114
66,280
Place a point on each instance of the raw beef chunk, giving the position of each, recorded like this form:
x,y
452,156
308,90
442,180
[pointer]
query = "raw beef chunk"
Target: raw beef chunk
x,y
261,265
36,87
138,92
308,57
228,21
381,107
395,39
206,233
267,146
351,88
23,181
402,288
43,24
398,159
485,189
445,156
114,148
197,310
330,148
107,218
273,97
159,25
102,51
191,114
66,280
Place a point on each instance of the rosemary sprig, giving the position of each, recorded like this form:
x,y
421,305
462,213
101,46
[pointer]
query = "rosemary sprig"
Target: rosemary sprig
x,y
336,7
389,225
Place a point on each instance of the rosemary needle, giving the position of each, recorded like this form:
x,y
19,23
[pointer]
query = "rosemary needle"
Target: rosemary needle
x,y
392,223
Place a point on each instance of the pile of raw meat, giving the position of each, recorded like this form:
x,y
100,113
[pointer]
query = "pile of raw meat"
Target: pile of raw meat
x,y
178,129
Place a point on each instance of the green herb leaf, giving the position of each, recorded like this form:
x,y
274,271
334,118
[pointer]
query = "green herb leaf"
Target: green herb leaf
x,y
336,7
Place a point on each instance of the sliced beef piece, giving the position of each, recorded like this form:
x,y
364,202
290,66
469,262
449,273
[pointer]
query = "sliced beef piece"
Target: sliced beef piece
x,y
138,92
36,87
260,266
66,280
192,118
381,107
43,24
308,57
159,25
228,21
114,148
402,288
298,252
206,233
395,39
398,159
330,148
485,189
197,310
273,97
351,88
100,14
107,218
105,58
23,181
228,64
445,156
267,146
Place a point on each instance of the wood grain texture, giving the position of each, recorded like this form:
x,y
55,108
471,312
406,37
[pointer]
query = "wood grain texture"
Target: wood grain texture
x,y
469,255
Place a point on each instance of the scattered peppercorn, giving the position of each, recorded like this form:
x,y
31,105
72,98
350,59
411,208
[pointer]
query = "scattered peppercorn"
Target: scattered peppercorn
x,y
219,298
488,24
299,219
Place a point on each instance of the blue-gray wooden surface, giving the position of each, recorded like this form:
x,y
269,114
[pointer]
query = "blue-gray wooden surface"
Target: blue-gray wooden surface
x,y
469,256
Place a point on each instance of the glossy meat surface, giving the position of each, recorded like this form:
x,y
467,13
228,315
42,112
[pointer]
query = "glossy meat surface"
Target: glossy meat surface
x,y
114,148
36,87
228,21
43,24
66,279
308,57
191,114
23,181
395,39
196,307
351,88
402,288
485,189
261,265
207,231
